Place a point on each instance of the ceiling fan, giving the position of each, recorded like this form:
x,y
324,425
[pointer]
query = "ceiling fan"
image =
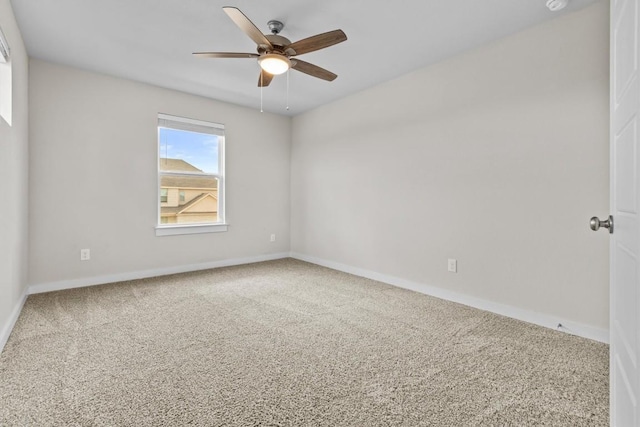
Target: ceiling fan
x,y
276,53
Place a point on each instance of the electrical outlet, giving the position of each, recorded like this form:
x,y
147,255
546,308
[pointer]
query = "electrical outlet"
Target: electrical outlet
x,y
453,265
85,254
273,237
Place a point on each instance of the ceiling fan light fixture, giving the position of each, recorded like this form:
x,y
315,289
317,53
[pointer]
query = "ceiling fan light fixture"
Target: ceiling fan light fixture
x,y
274,64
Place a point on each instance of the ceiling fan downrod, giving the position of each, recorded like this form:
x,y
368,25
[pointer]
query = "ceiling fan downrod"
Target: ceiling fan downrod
x,y
275,27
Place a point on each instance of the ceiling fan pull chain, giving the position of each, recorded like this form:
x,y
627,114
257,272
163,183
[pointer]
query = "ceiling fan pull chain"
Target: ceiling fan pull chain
x,y
288,71
261,88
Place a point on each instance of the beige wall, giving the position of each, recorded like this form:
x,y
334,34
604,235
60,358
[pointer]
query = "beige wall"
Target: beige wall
x,y
173,197
497,158
206,205
13,177
95,137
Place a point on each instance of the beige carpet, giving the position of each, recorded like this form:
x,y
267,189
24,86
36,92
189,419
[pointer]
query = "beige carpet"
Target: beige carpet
x,y
292,344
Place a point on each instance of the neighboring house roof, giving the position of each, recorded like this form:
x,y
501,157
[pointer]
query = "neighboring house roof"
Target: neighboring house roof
x,y
180,209
177,165
204,182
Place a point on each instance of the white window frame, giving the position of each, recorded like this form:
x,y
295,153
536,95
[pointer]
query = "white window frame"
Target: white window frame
x,y
182,123
6,90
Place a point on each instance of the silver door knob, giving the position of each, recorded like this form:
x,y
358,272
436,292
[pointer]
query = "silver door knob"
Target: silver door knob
x,y
595,223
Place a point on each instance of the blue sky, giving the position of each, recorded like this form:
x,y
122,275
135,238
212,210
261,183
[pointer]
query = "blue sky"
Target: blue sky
x,y
198,149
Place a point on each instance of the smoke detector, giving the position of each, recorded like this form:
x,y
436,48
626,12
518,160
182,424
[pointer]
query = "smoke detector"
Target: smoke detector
x,y
556,5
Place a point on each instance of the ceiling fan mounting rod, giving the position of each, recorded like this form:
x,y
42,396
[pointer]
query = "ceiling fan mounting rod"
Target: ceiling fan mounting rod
x,y
275,26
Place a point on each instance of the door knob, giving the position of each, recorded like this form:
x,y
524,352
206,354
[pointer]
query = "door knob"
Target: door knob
x,y
595,223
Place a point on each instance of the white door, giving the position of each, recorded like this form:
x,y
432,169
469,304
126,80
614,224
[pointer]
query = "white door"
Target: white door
x,y
625,240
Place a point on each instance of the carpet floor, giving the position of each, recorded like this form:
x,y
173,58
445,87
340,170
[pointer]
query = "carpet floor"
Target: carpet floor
x,y
287,343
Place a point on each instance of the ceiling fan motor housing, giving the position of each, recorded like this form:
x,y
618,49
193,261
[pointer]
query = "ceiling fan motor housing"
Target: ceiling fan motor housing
x,y
279,43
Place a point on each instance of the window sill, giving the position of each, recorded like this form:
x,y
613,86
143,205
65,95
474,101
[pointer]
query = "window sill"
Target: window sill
x,y
174,230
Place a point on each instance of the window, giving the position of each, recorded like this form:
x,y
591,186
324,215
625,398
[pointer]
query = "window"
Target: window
x,y
5,80
4,48
190,176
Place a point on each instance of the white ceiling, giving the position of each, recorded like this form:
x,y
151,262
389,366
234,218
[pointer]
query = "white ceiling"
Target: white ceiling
x,y
152,40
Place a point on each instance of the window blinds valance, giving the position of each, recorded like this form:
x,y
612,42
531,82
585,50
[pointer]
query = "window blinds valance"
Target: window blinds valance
x,y
190,125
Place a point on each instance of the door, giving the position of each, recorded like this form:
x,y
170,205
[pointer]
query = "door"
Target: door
x,y
625,241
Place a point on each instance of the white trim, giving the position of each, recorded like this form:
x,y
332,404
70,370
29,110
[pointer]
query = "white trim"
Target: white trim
x,y
133,275
11,321
221,178
541,319
206,124
174,230
188,174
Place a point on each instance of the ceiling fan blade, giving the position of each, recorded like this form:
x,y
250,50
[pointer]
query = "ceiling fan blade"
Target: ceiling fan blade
x,y
313,70
317,42
247,26
225,55
264,79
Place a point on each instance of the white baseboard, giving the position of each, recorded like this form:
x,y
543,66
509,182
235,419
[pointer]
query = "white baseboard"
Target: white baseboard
x,y
541,319
133,275
11,321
